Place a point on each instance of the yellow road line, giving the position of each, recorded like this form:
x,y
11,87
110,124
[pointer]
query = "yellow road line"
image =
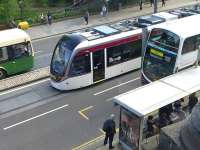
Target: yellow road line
x,y
82,114
93,140
101,131
87,143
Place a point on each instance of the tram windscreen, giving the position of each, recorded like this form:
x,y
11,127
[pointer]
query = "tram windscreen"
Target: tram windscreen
x,y
161,53
61,56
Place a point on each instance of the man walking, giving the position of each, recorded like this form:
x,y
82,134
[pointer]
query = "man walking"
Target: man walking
x,y
110,130
163,3
49,18
86,17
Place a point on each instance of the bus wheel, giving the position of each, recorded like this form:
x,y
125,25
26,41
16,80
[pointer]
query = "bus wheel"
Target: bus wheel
x,y
2,74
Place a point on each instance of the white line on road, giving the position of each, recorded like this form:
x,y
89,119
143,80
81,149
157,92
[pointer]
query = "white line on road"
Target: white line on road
x,y
25,86
22,122
36,52
115,86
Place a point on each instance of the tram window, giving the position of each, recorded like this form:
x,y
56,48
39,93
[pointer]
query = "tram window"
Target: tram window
x,y
3,54
190,44
131,50
114,55
80,65
125,52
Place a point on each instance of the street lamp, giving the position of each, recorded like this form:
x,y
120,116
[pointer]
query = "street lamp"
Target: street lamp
x,y
155,6
21,6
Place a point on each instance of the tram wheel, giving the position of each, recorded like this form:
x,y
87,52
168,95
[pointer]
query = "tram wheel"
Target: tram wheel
x,y
2,74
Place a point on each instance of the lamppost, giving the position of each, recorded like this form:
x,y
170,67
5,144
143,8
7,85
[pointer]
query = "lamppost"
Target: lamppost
x,y
155,6
21,6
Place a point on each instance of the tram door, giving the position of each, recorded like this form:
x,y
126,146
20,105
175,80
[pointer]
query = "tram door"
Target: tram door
x,y
98,66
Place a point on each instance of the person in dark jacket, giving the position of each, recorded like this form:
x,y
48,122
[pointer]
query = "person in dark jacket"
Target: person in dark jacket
x,y
192,102
110,130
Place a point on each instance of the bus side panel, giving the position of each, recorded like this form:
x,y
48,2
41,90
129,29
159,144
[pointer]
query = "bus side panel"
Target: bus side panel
x,y
9,67
23,63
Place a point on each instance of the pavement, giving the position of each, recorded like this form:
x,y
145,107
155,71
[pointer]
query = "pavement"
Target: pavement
x,y
57,28
62,27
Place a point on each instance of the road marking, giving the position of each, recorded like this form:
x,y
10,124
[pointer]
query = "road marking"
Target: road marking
x,y
36,52
82,114
116,86
101,131
30,119
25,86
84,145
87,143
109,99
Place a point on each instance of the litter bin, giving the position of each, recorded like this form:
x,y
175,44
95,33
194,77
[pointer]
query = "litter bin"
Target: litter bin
x,y
23,25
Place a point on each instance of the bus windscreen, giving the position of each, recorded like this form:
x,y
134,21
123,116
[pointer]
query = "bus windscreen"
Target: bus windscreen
x,y
160,56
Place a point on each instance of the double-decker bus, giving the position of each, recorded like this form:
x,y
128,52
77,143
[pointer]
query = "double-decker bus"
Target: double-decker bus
x,y
95,54
171,47
16,52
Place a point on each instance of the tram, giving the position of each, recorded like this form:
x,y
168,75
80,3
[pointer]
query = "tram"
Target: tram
x,y
95,54
171,47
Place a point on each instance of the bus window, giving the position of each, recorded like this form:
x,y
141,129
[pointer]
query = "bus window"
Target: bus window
x,y
190,44
3,54
80,65
165,39
22,49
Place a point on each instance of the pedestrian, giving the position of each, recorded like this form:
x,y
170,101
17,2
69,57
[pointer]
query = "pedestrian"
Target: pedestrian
x,y
86,17
140,4
104,10
163,3
163,121
49,17
192,102
151,2
150,126
177,106
42,18
110,130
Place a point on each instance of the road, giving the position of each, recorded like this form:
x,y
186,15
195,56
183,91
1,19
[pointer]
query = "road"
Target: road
x,y
52,120
43,51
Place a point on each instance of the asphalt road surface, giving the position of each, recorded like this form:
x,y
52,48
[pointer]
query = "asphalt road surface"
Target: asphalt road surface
x,y
43,51
53,120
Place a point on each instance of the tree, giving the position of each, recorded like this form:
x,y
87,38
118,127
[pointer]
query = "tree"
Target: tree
x,y
8,10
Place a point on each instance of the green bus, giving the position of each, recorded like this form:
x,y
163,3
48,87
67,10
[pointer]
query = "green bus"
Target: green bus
x,y
16,52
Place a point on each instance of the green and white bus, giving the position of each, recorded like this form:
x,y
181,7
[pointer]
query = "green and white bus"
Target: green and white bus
x,y
16,52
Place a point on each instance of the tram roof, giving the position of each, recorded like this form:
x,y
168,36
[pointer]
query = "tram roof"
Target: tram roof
x,y
106,30
13,36
184,27
151,97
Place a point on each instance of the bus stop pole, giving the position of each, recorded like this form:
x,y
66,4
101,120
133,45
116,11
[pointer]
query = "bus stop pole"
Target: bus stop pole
x,y
155,4
198,57
144,39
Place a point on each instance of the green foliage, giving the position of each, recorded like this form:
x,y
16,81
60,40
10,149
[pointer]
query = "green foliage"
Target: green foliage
x,y
8,9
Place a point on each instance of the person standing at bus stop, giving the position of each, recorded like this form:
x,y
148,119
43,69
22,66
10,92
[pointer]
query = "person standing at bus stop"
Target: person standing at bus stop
x,y
109,128
192,101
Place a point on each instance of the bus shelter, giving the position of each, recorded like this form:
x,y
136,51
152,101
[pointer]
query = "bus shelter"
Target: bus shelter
x,y
139,103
